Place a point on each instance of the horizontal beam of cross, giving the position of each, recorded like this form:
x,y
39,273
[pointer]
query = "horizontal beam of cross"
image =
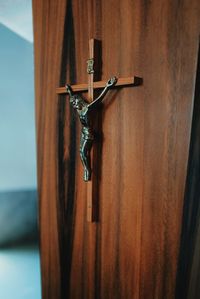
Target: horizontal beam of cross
x,y
100,84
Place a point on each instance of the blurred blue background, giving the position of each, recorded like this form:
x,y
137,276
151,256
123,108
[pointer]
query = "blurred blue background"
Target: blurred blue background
x,y
17,128
19,253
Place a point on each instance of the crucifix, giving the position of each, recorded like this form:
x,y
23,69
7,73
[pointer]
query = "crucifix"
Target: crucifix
x,y
84,110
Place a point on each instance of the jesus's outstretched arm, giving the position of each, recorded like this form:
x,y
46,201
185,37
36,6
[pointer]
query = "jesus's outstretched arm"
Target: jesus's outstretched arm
x,y
111,82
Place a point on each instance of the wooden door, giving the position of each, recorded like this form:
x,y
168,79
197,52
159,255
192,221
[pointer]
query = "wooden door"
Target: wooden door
x,y
132,251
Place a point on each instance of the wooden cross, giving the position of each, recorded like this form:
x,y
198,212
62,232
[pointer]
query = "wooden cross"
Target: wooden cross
x,y
90,87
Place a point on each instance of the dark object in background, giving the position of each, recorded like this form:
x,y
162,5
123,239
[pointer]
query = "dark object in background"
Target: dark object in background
x,y
18,217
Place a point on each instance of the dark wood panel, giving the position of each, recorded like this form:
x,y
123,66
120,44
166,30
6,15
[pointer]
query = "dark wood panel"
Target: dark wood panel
x,y
189,261
49,19
132,252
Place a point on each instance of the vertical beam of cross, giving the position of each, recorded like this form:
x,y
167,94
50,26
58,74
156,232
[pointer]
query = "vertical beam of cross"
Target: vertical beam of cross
x,y
91,200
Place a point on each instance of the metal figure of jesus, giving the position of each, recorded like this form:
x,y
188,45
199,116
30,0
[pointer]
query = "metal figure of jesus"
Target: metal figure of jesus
x,y
84,110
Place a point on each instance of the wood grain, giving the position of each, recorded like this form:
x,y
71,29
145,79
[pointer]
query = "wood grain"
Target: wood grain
x,y
132,252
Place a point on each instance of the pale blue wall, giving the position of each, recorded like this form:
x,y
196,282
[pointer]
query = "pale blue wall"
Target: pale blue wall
x,y
19,266
17,124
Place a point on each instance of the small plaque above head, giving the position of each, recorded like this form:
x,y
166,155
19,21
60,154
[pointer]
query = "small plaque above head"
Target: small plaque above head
x,y
90,66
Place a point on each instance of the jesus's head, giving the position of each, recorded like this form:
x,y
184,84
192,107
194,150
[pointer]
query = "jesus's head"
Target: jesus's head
x,y
77,102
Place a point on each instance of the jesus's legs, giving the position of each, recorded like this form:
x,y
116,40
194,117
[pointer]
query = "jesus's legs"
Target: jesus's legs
x,y
85,147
